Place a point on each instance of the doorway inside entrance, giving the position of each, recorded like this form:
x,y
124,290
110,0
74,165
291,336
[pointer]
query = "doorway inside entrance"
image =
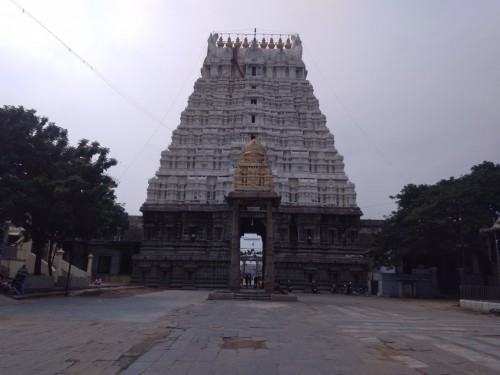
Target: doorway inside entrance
x,y
251,261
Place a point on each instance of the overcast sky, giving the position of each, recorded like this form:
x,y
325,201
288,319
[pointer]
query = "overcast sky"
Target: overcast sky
x,y
410,89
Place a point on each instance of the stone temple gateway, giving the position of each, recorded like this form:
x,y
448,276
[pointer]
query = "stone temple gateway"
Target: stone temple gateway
x,y
252,154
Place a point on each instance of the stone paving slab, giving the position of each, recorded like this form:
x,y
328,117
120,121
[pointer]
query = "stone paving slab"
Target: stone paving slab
x,y
305,340
176,332
85,335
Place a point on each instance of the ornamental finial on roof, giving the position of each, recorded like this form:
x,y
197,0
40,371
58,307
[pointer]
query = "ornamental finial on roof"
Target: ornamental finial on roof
x,y
271,43
254,43
280,44
237,43
292,42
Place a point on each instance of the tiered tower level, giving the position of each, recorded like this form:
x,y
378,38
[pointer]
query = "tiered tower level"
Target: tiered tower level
x,y
253,86
260,89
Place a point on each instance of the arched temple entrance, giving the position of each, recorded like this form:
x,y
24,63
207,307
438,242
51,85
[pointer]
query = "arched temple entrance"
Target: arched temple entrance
x,y
252,201
259,204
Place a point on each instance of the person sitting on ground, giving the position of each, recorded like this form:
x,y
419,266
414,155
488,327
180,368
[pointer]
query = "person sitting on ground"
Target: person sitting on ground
x,y
22,272
4,286
17,286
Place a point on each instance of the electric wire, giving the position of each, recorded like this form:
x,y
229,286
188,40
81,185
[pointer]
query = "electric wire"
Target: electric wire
x,y
255,31
355,122
106,80
277,32
195,64
160,122
376,205
118,90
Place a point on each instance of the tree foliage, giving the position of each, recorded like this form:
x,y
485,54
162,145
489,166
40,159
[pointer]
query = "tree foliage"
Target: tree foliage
x,y
441,220
52,190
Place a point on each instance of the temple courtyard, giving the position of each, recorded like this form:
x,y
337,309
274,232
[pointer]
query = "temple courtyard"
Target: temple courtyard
x,y
181,332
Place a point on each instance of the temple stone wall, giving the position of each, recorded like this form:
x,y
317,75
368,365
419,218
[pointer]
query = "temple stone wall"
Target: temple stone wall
x,y
192,248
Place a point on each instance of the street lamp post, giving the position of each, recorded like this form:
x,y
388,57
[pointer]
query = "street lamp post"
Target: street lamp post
x,y
462,245
496,242
494,228
70,261
498,254
461,239
498,259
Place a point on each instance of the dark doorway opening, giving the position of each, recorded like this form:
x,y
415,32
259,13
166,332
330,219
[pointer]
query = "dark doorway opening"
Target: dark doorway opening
x,y
104,265
252,251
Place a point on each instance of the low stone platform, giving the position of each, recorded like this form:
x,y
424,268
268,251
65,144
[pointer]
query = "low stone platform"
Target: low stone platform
x,y
484,306
88,291
251,295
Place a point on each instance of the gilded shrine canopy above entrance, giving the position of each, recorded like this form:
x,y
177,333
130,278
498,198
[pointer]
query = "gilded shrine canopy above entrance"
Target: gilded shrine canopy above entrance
x,y
253,173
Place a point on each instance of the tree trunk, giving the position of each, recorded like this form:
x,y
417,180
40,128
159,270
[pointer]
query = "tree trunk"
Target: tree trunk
x,y
37,249
50,257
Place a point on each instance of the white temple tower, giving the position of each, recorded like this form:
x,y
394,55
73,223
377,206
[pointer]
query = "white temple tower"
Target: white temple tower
x,y
260,91
247,88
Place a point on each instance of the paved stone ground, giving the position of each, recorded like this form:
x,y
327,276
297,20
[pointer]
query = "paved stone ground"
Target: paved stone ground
x,y
86,335
175,332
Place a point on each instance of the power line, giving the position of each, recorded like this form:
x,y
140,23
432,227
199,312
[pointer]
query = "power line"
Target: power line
x,y
163,119
110,83
355,122
147,113
376,204
255,31
115,87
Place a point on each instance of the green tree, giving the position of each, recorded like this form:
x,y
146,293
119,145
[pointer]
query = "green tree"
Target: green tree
x,y
53,190
441,222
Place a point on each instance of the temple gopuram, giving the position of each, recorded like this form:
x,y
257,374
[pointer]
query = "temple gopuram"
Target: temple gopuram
x,y
252,154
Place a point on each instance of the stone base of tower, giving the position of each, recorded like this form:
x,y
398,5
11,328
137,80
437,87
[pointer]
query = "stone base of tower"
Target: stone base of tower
x,y
183,247
189,247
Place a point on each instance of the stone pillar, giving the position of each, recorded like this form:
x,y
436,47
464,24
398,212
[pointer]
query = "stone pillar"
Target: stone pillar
x,y
58,263
269,277
234,268
89,264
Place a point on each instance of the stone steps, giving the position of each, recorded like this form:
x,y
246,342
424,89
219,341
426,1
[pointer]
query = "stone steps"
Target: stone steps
x,y
258,296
